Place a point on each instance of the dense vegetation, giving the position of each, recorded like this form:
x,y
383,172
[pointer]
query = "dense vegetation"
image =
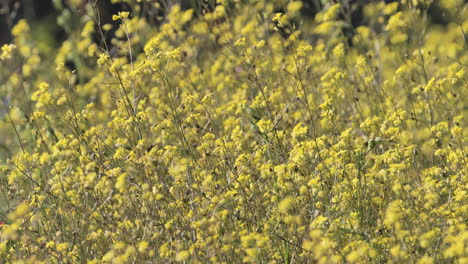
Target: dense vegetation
x,y
242,131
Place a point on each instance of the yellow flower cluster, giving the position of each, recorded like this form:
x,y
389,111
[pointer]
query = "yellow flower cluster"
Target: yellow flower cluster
x,y
243,132
7,50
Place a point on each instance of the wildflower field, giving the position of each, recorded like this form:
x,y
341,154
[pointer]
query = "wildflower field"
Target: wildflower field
x,y
229,131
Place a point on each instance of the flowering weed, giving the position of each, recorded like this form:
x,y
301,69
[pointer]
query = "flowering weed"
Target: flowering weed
x,y
239,133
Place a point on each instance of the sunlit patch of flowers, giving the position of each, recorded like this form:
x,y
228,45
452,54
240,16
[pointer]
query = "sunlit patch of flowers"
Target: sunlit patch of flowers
x,y
240,134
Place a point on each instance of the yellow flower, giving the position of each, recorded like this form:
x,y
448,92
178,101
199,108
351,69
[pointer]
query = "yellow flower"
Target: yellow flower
x,y
182,256
338,51
265,126
240,42
120,15
21,28
62,247
124,14
331,12
294,7
19,212
42,96
285,204
396,22
7,50
121,183
142,246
